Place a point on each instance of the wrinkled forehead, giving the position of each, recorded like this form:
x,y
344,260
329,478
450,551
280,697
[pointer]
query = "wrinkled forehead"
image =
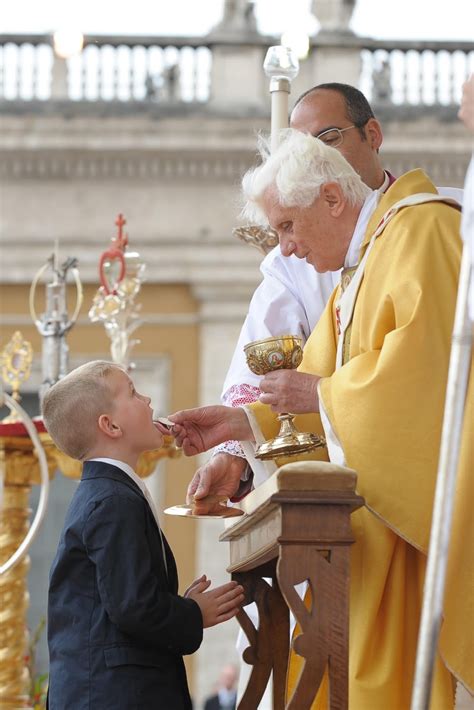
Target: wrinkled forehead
x,y
319,111
270,202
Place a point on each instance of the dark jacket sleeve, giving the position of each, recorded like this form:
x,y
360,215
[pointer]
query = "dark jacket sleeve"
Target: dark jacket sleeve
x,y
133,593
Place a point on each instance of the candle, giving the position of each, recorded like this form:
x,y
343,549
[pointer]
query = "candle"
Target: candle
x,y
281,66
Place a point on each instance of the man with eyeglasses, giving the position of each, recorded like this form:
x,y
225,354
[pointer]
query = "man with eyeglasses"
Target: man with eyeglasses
x,y
292,295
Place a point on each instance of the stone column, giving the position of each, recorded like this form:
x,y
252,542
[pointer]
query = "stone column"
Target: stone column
x,y
59,72
335,54
237,77
334,15
332,61
222,313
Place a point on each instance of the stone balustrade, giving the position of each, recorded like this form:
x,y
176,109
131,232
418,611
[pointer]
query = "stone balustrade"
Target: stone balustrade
x,y
179,70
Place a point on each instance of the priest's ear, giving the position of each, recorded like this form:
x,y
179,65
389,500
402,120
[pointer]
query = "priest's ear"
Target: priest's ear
x,y
108,427
373,134
334,198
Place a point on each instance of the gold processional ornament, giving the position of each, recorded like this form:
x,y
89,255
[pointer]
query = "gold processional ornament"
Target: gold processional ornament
x,y
284,352
264,239
122,273
16,359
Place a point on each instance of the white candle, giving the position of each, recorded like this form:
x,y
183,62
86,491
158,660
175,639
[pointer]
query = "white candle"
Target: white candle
x,y
281,66
279,118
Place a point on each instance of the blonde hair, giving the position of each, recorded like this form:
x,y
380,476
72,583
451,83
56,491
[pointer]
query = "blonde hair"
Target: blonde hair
x,y
298,168
72,407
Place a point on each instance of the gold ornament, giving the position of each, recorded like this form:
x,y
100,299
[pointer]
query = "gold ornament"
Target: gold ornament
x,y
283,352
16,359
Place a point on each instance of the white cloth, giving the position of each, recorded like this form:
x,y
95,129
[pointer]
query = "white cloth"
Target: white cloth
x,y
290,299
143,487
368,208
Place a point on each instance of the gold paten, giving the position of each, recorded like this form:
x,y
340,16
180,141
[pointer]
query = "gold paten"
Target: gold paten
x,y
187,511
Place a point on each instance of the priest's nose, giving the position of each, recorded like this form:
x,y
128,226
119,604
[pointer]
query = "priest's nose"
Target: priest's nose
x,y
287,247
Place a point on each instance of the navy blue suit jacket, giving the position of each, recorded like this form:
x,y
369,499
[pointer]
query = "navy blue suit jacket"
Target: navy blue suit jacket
x,y
117,629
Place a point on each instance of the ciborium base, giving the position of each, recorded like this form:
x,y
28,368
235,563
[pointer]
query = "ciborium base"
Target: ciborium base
x,y
289,442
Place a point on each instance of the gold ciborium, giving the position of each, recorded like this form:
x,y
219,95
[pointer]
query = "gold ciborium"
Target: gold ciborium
x,y
283,352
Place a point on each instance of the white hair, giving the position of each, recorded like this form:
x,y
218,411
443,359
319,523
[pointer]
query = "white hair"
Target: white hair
x,y
298,168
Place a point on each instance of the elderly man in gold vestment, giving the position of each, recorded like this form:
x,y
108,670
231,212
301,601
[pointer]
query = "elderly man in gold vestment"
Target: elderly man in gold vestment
x,y
373,378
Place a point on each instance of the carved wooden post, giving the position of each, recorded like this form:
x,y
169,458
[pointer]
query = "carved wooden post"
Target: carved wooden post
x,y
297,529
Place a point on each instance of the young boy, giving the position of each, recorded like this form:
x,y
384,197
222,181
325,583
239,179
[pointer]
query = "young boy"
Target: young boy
x,y
117,628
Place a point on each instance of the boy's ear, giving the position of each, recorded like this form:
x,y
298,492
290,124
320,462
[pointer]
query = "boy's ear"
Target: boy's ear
x,y
109,427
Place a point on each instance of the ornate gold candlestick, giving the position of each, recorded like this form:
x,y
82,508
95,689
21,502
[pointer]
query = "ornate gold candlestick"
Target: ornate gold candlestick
x,y
283,352
21,470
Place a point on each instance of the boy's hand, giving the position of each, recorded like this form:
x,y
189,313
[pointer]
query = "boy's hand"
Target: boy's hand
x,y
219,604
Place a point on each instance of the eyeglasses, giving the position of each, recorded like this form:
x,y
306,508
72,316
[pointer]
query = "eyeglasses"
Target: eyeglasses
x,y
333,136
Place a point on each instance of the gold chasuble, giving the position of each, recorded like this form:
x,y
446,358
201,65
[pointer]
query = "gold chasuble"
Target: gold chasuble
x,y
385,405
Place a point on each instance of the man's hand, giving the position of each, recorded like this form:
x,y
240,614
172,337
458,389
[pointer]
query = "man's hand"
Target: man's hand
x,y
290,391
197,430
220,476
219,604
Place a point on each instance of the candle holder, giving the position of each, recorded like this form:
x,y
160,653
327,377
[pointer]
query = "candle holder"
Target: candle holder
x,y
283,352
280,63
23,461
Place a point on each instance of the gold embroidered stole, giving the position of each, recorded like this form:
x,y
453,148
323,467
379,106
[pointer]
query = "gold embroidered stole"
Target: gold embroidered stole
x,y
346,278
